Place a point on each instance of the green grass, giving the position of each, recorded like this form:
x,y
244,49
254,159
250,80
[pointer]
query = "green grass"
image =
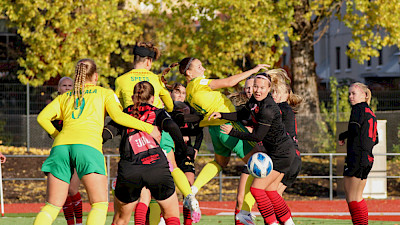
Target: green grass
x,y
25,219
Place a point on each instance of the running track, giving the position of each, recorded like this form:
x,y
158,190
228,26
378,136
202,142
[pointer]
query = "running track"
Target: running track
x,y
386,210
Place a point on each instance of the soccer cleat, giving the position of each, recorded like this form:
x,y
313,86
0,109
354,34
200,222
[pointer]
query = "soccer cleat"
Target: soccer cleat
x,y
191,203
245,217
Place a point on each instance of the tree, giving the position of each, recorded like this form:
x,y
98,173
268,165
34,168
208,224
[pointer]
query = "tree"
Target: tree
x,y
59,33
233,33
227,36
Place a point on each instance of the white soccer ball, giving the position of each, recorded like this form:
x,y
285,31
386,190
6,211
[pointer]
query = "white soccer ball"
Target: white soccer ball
x,y
260,165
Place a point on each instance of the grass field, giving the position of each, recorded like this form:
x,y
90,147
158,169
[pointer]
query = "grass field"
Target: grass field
x,y
25,219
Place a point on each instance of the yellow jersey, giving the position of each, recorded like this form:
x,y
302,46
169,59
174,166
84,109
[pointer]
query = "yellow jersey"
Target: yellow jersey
x,y
84,125
206,101
124,88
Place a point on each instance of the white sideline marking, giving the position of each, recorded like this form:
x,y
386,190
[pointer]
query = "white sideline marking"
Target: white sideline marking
x,y
322,213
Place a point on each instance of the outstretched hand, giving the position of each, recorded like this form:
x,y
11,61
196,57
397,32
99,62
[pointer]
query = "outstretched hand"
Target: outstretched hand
x,y
226,129
214,115
260,67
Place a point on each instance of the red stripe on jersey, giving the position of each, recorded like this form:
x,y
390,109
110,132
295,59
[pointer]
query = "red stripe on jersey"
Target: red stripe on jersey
x,y
368,110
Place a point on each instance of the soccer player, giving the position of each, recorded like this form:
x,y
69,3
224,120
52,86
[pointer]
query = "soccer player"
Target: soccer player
x,y
145,53
268,128
361,138
188,120
201,95
143,162
79,144
244,202
73,204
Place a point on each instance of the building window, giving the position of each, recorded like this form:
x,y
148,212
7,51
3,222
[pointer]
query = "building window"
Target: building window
x,y
380,58
337,58
369,62
348,60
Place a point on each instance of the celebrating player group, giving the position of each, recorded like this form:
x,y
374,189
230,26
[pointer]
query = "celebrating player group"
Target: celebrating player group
x,y
156,122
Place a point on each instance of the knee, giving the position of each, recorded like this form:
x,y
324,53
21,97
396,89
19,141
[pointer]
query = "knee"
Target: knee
x,y
222,162
120,221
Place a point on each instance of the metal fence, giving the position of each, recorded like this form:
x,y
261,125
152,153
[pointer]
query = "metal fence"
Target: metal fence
x,y
221,178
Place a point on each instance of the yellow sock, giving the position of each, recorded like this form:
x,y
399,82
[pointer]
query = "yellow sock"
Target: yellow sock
x,y
98,214
206,174
181,181
47,214
248,200
155,212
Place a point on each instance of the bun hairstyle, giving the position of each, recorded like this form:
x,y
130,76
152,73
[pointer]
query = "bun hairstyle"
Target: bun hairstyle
x,y
85,68
365,89
184,65
145,50
142,93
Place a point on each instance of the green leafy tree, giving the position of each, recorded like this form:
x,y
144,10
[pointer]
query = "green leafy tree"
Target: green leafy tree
x,y
227,36
234,35
59,33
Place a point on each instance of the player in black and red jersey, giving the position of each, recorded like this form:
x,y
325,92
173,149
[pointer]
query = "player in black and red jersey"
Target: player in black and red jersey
x,y
268,128
188,120
143,163
287,101
361,138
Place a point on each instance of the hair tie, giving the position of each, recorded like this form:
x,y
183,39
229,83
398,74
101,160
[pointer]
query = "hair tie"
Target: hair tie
x,y
187,66
144,52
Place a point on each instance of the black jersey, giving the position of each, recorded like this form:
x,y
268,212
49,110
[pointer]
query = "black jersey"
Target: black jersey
x,y
361,134
139,147
266,119
289,120
188,120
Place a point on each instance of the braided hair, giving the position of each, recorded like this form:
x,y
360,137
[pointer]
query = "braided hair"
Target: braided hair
x,y
85,69
142,93
184,65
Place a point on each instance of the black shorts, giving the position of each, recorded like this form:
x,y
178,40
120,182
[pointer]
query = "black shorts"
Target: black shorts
x,y
294,171
282,156
355,170
245,169
132,178
187,166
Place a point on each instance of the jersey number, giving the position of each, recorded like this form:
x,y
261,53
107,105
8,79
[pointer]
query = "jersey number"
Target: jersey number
x,y
372,129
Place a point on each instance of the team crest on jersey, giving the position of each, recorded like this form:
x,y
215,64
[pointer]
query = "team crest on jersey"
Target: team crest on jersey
x,y
255,108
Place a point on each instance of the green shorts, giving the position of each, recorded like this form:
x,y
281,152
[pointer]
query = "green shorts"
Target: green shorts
x,y
166,143
64,158
225,144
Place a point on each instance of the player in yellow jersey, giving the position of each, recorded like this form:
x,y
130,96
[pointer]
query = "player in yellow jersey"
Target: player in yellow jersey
x,y
79,144
201,95
145,53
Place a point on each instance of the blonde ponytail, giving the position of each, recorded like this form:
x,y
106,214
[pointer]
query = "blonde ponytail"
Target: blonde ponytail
x,y
366,90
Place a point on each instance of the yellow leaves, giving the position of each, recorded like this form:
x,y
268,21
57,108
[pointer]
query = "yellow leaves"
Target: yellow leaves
x,y
63,31
12,150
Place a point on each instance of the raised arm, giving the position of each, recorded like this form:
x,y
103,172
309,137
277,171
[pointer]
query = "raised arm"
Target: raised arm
x,y
235,79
